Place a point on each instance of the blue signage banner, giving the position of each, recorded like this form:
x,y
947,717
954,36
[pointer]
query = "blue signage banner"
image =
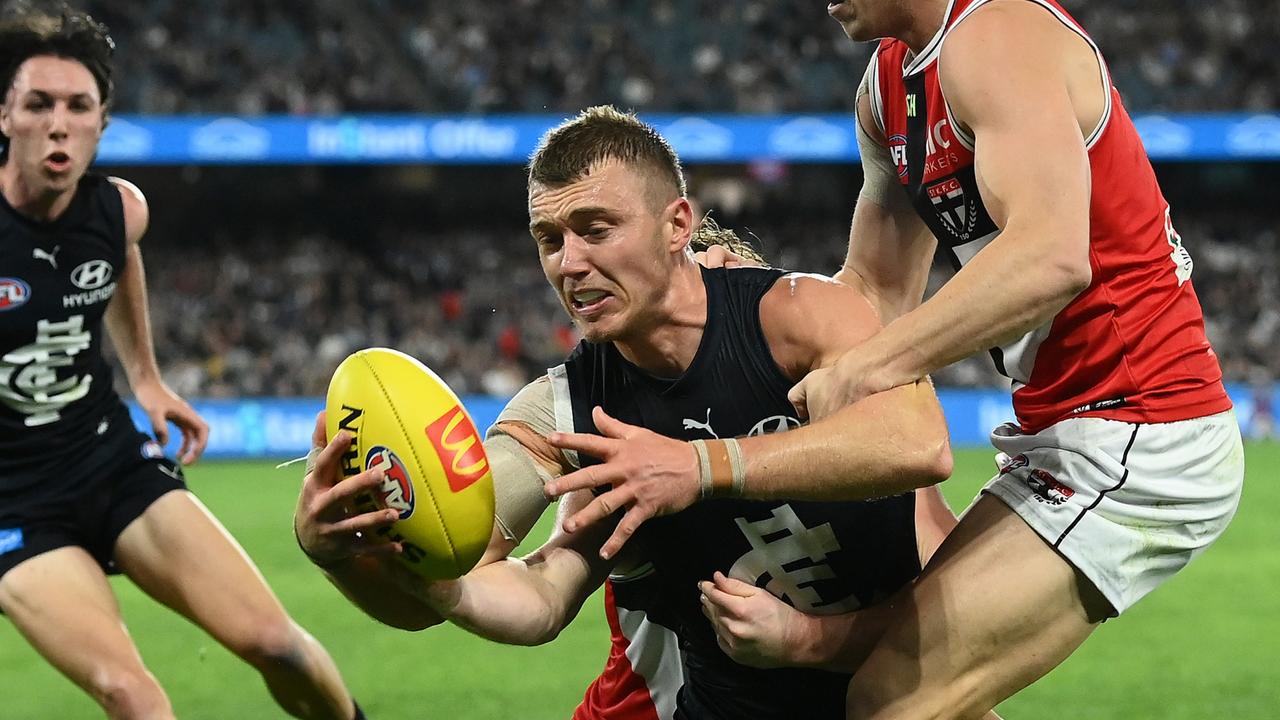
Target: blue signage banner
x,y
281,428
505,139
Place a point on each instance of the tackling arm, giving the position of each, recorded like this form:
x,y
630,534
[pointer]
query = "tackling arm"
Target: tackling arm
x,y
1033,173
886,444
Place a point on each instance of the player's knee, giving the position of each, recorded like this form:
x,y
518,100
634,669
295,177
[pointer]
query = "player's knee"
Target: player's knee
x,y
130,695
272,643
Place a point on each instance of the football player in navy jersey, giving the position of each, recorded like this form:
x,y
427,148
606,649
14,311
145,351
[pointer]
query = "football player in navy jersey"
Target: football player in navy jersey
x,y
703,355
82,492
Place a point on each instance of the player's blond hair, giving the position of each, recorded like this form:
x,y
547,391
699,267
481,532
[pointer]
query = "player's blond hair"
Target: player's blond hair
x,y
710,233
569,151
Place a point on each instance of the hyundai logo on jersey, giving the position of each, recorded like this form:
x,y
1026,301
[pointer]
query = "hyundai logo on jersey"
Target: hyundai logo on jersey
x,y
13,293
91,275
397,489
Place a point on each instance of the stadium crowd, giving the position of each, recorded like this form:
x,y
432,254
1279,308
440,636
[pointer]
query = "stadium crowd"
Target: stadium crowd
x,y
329,56
475,304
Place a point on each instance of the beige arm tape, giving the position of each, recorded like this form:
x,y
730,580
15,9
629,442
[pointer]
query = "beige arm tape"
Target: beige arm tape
x,y
880,182
522,459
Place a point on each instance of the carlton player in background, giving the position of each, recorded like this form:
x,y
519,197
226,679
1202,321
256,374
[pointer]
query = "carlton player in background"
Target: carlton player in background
x,y
82,492
1019,162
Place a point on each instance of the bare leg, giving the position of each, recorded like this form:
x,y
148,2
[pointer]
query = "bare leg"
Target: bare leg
x,y
180,554
994,611
61,603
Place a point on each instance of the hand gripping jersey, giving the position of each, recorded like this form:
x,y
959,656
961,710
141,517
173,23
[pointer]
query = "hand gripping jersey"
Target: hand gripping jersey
x,y
1132,346
819,557
56,280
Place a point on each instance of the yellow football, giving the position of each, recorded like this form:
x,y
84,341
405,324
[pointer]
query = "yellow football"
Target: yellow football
x,y
408,422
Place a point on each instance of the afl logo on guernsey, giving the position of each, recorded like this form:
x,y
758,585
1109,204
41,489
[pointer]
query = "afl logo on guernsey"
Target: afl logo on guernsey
x,y
898,151
91,275
13,293
397,489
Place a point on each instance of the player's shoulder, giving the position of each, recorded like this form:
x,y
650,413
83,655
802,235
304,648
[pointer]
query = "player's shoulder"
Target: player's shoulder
x,y
1003,25
137,214
807,318
533,405
797,295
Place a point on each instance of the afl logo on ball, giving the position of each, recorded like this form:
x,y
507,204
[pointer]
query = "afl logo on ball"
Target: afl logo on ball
x,y
91,275
13,293
397,489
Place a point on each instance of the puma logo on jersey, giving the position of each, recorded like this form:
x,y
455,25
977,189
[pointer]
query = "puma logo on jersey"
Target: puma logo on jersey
x,y
691,424
51,256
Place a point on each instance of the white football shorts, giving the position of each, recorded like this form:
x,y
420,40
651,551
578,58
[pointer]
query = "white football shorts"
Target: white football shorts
x,y
1127,504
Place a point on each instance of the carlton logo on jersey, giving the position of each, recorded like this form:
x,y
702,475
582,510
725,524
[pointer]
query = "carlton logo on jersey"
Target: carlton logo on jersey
x,y
14,293
397,489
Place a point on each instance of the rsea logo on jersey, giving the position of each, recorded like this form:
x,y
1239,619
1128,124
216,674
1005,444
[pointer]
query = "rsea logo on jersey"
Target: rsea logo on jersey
x,y
461,453
13,293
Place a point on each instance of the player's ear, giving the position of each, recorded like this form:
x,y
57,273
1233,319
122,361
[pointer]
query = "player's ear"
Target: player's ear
x,y
679,218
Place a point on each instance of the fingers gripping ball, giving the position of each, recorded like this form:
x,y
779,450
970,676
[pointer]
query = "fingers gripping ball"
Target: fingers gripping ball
x,y
406,421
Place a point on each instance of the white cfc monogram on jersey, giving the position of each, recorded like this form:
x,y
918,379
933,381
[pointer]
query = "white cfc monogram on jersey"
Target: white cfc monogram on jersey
x,y
799,543
29,375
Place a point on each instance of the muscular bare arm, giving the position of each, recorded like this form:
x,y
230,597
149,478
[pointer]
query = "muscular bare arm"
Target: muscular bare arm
x,y
525,601
1040,261
890,248
128,324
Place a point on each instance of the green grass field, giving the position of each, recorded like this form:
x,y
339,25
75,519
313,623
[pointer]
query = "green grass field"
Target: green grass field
x,y
1205,646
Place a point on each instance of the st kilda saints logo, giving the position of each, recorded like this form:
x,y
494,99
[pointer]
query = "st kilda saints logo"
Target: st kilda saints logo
x,y
953,208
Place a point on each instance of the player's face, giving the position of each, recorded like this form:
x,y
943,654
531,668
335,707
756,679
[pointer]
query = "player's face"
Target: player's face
x,y
53,117
606,248
865,20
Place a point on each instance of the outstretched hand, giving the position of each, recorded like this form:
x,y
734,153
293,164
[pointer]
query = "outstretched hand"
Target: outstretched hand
x,y
649,475
328,529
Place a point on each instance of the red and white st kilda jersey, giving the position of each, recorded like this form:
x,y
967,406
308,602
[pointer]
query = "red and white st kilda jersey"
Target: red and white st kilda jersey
x,y
1132,346
644,671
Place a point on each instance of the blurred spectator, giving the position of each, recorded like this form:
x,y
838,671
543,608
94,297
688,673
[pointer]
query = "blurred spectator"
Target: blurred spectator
x,y
757,56
230,324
